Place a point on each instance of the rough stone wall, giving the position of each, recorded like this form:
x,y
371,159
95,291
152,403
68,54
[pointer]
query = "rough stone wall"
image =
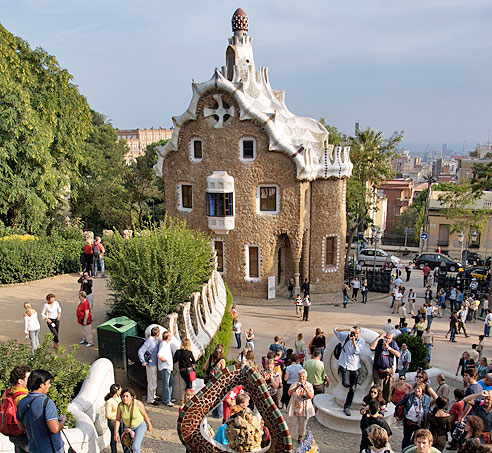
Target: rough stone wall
x,y
327,218
221,153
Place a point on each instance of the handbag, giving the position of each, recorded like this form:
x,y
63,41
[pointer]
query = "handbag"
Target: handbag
x,y
128,434
70,449
192,376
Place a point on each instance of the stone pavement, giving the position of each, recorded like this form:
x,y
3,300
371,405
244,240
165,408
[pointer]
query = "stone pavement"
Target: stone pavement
x,y
267,318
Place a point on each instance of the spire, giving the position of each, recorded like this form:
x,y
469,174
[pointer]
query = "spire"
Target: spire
x,y
239,21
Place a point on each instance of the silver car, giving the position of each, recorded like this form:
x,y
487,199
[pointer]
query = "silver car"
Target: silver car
x,y
366,258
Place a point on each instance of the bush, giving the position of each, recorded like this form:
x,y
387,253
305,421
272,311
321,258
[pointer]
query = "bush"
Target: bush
x,y
417,349
27,258
156,270
223,336
67,371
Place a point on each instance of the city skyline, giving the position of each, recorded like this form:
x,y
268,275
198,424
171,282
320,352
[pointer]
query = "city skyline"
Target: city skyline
x,y
421,68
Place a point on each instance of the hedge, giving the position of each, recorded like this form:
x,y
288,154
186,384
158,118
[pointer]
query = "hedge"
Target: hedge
x,y
417,349
27,258
68,373
222,336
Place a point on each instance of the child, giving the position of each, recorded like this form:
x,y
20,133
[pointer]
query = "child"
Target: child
x,y
187,396
299,347
250,337
298,304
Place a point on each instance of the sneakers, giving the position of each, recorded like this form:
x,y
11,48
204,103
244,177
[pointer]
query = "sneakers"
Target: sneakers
x,y
154,403
170,405
82,342
346,411
88,345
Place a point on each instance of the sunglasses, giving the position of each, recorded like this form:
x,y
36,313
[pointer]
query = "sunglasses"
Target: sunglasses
x,y
402,379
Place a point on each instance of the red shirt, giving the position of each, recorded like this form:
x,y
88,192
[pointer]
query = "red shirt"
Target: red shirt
x,y
88,249
81,308
426,270
230,396
456,410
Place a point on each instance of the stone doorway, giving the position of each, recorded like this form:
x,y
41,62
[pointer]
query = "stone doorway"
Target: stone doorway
x,y
284,265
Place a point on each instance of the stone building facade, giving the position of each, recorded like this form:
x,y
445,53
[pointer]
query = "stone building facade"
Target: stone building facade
x,y
137,140
262,181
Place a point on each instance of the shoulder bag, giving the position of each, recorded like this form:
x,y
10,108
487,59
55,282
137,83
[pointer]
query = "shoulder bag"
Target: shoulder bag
x,y
128,434
70,449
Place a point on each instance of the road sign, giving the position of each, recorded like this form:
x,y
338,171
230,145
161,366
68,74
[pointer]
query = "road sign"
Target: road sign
x,y
423,236
409,231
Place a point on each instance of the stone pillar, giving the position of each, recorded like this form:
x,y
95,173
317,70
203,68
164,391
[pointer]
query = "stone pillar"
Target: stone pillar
x,y
297,285
306,252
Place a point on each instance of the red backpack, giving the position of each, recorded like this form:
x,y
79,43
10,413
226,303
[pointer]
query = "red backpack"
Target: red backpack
x,y
8,414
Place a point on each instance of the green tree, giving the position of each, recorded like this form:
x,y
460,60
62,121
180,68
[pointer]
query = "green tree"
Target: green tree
x,y
335,137
371,156
482,179
157,270
100,197
43,122
413,217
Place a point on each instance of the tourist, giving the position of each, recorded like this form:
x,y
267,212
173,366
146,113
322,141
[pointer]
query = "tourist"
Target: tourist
x,y
88,256
430,314
464,363
428,340
486,382
306,303
480,345
316,374
398,297
147,354
405,330
237,332
404,360
399,395
305,288
241,358
426,271
423,378
355,283
487,324
31,326
420,326
453,296
473,353
483,368
187,396
275,346
402,313
18,380
349,361
186,363
439,423
428,295
298,304
378,438
443,389
98,256
474,428
165,366
86,286
291,287
485,304
318,343
364,290
389,327
113,399
84,318
38,416
250,338
411,298
479,404
474,309
455,412
408,270
423,443
462,315
441,302
229,401
415,413
291,374
371,416
273,379
213,366
346,297
300,348
375,394
132,412
300,408
234,314
385,351
51,313
284,364
453,326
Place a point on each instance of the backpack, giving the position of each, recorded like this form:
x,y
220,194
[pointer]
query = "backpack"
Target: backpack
x,y
95,251
8,414
338,348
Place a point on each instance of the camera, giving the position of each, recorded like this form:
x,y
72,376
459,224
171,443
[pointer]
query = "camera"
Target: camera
x,y
352,334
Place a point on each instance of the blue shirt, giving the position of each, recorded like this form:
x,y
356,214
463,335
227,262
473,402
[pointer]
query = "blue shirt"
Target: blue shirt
x,y
484,385
34,420
152,345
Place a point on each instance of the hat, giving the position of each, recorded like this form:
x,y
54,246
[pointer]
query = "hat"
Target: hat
x,y
473,278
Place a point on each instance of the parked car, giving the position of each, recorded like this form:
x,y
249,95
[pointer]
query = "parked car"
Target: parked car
x,y
366,258
472,258
478,272
434,260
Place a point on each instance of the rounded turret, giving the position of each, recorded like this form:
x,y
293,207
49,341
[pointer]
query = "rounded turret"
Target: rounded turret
x,y
239,21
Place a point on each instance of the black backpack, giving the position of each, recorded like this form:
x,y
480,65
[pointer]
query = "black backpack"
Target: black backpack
x,y
338,348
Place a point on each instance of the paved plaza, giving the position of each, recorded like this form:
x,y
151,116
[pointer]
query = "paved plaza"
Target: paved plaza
x,y
267,318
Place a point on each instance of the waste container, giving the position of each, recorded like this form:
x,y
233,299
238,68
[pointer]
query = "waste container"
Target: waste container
x,y
111,339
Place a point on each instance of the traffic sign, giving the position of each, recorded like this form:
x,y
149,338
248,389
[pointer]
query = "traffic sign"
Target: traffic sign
x,y
409,231
423,236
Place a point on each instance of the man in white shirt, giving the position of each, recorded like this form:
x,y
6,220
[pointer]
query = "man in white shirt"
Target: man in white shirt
x,y
165,366
487,323
349,361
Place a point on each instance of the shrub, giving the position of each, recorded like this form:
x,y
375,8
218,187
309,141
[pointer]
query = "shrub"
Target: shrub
x,y
223,335
68,373
417,349
26,258
156,270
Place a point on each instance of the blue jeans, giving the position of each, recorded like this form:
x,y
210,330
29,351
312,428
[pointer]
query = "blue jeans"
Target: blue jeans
x,y
139,435
349,380
346,298
167,386
452,335
486,331
429,321
429,352
364,297
99,263
238,339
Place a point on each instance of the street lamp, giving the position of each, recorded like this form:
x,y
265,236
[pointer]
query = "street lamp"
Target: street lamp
x,y
460,240
376,234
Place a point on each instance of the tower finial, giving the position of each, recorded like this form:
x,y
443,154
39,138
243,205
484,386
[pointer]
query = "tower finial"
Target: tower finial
x,y
239,21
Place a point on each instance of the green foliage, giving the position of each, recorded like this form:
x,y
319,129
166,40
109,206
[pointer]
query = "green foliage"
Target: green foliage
x,y
335,137
43,122
482,177
24,260
413,217
156,270
223,336
417,349
67,371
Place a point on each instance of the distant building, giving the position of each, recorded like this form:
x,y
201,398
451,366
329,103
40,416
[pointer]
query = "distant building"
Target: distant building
x,y
137,140
399,195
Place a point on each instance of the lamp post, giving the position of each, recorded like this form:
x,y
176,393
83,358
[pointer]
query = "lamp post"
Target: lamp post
x,y
376,234
430,180
460,240
464,258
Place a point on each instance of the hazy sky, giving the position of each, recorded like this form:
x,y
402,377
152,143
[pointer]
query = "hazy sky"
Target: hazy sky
x,y
422,66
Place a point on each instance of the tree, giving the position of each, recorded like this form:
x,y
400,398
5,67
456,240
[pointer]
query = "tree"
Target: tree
x,y
413,217
43,122
371,156
100,197
482,179
335,137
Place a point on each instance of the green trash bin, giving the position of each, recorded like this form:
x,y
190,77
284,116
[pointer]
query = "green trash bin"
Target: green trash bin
x,y
111,339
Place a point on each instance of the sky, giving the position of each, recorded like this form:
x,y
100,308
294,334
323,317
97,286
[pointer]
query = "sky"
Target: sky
x,y
419,66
